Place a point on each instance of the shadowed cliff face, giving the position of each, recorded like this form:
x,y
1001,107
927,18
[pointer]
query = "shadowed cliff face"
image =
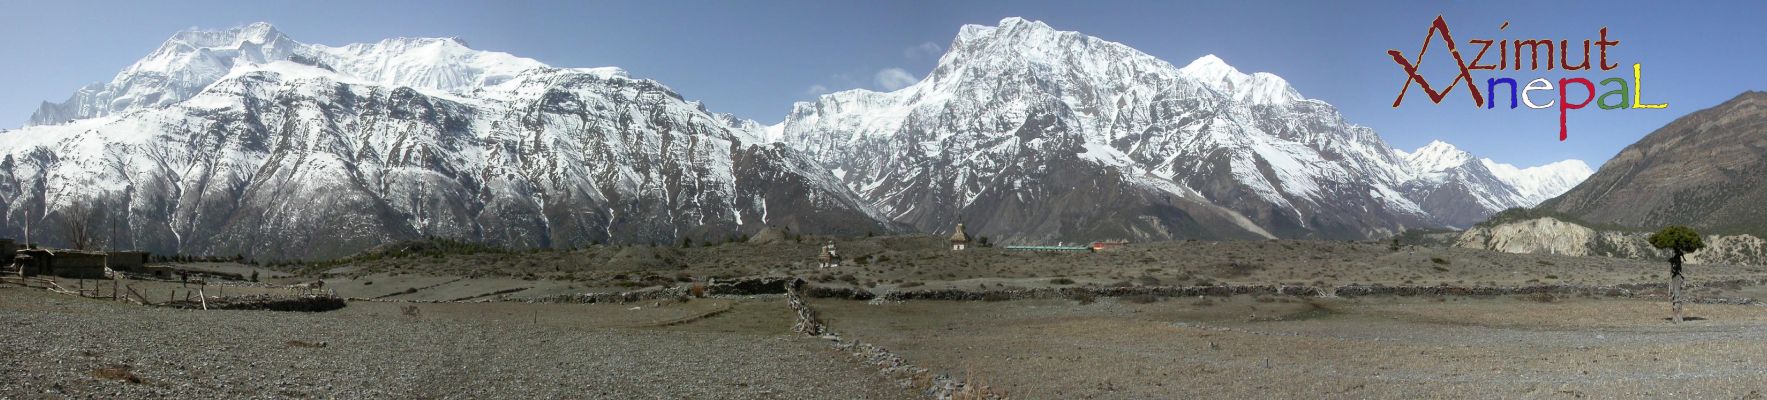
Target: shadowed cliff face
x,y
1707,170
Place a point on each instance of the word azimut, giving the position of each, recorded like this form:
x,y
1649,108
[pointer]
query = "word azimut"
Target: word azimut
x,y
1509,56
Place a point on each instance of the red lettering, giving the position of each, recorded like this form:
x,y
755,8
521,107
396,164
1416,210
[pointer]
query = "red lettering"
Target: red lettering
x,y
1564,105
1411,68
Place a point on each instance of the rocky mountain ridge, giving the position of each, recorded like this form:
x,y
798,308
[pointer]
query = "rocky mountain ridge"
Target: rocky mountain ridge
x,y
246,141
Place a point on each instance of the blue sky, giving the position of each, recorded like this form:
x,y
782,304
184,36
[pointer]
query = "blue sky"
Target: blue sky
x,y
755,59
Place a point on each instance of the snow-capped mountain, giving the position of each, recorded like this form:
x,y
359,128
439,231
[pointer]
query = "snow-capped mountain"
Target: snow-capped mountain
x,y
1539,183
244,141
192,60
1027,133
1461,190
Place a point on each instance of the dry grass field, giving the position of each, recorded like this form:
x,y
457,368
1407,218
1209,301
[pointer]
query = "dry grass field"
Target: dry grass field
x,y
882,264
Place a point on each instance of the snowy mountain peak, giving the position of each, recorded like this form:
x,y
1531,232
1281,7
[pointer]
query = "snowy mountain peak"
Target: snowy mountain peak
x,y
1211,68
1542,182
191,60
1257,88
1011,34
1017,22
445,64
256,33
1437,156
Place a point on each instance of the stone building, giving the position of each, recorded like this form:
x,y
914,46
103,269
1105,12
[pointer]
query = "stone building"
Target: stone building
x,y
65,263
959,239
132,261
8,247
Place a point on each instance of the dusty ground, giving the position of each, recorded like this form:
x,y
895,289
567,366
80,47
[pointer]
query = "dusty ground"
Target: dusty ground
x,y
61,346
1366,348
1246,346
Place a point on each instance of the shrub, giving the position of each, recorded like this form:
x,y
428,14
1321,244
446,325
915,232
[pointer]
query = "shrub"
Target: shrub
x,y
1141,298
1061,281
1083,296
910,284
1439,260
1541,297
117,372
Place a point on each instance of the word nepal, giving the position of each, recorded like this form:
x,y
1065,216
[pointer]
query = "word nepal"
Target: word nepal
x,y
1509,57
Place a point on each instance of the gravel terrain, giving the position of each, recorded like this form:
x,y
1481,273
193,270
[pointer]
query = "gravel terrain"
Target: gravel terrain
x,y
1568,344
62,346
1403,348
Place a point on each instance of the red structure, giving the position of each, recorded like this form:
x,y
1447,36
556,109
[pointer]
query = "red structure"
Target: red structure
x,y
1103,245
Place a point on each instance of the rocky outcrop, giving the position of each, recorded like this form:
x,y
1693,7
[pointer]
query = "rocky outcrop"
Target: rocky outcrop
x,y
1538,236
1547,235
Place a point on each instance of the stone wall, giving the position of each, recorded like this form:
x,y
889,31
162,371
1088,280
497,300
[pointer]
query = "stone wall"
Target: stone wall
x,y
7,248
132,261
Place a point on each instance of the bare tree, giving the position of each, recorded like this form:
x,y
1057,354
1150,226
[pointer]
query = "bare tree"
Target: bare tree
x,y
78,221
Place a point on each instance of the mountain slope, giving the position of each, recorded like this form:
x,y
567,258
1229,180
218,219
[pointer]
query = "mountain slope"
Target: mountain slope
x,y
267,147
1460,192
1707,169
245,141
1018,114
1539,183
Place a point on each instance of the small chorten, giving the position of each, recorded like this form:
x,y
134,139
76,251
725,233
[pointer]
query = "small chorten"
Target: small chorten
x,y
959,239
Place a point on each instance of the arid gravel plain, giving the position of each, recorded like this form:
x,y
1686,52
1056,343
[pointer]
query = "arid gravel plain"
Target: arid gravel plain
x,y
485,326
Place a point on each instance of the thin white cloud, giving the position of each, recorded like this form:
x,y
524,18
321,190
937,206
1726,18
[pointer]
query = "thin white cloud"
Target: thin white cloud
x,y
927,50
816,90
894,78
